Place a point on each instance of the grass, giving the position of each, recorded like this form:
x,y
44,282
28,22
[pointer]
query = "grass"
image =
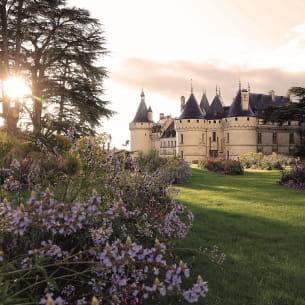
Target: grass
x,y
259,225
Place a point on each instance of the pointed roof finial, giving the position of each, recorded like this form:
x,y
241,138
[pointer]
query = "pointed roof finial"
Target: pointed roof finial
x,y
216,90
192,90
142,93
249,87
239,85
219,94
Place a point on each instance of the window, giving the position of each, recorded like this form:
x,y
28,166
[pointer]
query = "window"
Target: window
x,y
274,138
259,138
214,136
181,139
248,119
228,155
228,138
289,123
188,121
259,149
214,122
236,119
181,153
197,121
291,138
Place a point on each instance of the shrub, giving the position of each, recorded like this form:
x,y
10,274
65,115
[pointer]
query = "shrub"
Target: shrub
x,y
227,167
175,171
294,178
65,243
270,162
150,161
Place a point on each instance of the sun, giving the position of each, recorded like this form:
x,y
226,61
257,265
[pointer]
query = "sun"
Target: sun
x,y
16,88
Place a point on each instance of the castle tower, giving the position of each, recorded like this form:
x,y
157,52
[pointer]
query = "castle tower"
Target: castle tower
x,y
214,132
190,134
240,128
141,127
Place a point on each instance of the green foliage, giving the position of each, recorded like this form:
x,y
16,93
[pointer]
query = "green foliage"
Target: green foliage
x,y
150,161
72,164
268,162
56,47
260,227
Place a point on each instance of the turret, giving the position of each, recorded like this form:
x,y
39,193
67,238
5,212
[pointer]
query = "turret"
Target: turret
x,y
141,127
240,127
189,132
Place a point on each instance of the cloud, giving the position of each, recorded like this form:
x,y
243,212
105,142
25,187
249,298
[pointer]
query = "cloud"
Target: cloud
x,y
172,79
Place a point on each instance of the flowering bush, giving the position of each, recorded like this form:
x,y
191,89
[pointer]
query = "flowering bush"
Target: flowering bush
x,y
227,167
294,178
269,162
150,161
69,245
175,171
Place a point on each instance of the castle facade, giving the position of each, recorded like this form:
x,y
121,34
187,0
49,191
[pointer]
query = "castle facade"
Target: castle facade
x,y
206,130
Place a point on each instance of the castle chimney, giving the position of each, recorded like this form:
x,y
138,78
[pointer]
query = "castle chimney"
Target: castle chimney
x,y
182,103
272,93
161,116
244,99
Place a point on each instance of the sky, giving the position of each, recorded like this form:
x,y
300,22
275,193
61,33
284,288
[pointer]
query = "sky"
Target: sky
x,y
160,45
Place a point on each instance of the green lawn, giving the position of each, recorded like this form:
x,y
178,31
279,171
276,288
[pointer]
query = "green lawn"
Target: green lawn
x,y
261,228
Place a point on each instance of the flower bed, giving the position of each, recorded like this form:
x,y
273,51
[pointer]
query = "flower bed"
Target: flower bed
x,y
227,167
294,178
59,241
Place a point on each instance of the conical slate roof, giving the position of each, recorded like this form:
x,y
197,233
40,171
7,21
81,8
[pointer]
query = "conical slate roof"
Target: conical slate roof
x,y
236,107
141,115
216,110
191,109
204,103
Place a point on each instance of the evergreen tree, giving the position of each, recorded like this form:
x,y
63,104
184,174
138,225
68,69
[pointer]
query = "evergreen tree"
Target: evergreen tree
x,y
56,48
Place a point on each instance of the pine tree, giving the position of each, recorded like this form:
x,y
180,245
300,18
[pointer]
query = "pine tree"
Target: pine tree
x,y
57,49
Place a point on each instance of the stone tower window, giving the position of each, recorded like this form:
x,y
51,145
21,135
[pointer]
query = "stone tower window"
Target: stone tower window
x,y
236,119
228,138
274,138
291,138
181,153
259,138
181,139
214,136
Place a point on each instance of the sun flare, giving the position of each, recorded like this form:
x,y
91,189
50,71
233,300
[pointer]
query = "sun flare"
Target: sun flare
x,y
16,88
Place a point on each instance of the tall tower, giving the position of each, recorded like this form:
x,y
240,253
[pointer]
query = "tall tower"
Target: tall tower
x,y
240,127
141,127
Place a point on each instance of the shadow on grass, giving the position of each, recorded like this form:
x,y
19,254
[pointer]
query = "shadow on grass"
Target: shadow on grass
x,y
265,259
265,256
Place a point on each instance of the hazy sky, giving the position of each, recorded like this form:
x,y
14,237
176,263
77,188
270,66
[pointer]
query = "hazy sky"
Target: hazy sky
x,y
160,45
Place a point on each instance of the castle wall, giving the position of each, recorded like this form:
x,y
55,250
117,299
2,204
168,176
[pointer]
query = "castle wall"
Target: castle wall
x,y
168,147
140,136
191,138
275,138
240,136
